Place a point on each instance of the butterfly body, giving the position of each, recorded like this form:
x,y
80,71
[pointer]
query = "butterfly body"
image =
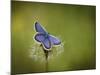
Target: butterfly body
x,y
44,38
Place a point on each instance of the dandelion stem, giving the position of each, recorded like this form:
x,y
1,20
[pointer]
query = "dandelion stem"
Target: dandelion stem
x,y
46,57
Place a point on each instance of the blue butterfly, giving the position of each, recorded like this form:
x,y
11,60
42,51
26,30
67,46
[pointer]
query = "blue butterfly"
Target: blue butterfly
x,y
43,37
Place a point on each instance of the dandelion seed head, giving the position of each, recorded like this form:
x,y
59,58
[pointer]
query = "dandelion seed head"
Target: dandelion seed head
x,y
36,52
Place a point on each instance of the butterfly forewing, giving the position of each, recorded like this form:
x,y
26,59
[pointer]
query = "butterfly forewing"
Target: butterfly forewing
x,y
54,40
39,28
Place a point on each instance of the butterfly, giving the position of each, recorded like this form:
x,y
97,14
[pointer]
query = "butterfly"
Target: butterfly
x,y
44,38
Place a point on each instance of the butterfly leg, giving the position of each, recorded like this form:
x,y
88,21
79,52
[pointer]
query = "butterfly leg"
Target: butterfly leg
x,y
40,45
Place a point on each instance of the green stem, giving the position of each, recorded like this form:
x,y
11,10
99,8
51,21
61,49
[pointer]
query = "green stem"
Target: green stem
x,y
46,57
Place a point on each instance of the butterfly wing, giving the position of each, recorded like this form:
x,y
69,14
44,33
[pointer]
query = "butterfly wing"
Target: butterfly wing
x,y
54,40
39,28
39,37
46,44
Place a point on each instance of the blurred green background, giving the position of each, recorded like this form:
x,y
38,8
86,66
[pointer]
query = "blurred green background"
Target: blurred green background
x,y
75,24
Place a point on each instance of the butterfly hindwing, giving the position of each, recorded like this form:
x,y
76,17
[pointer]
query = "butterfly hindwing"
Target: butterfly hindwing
x,y
39,28
46,43
39,37
54,40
